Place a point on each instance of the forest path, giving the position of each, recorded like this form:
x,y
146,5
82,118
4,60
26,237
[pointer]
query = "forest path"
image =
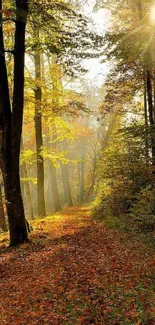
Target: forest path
x,y
75,271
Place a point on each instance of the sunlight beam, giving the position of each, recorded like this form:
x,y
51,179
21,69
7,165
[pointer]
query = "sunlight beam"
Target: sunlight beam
x,y
152,14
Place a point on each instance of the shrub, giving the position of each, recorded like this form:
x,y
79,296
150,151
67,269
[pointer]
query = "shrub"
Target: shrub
x,y
143,209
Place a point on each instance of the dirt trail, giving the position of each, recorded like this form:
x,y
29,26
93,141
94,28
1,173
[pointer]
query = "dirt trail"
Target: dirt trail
x,y
76,272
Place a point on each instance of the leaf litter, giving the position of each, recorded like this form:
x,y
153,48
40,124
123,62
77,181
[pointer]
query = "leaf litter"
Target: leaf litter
x,y
74,272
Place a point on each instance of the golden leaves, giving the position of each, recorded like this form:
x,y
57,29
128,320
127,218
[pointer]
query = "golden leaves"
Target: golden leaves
x,y
76,272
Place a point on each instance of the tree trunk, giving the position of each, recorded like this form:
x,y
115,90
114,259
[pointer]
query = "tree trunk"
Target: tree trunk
x,y
11,127
39,138
54,189
26,187
15,209
26,191
49,195
91,188
151,116
2,214
154,93
78,172
82,168
65,178
146,121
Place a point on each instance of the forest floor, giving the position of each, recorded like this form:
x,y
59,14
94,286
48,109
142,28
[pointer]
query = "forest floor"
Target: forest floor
x,y
75,271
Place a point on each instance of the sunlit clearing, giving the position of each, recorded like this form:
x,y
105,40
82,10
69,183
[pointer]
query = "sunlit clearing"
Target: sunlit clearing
x,y
152,14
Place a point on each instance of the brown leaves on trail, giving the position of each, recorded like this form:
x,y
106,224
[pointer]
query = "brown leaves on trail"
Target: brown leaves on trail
x,y
76,272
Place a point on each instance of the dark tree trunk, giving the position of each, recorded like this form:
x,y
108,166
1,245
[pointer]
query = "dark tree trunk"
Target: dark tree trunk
x,y
15,209
65,178
2,214
146,122
11,127
39,138
151,115
150,98
154,93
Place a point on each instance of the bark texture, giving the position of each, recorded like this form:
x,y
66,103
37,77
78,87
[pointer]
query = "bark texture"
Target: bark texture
x,y
151,114
39,137
3,225
11,126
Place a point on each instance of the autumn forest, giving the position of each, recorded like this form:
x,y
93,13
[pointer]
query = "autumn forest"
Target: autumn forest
x,y
77,162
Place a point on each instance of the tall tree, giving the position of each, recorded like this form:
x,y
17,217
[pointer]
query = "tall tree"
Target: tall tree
x,y
38,132
11,125
131,43
54,193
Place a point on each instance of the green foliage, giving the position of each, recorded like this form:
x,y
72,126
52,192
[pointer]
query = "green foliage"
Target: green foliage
x,y
143,209
126,181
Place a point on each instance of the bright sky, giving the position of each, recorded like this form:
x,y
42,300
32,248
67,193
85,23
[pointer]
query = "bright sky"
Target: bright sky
x,y
97,71
101,22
